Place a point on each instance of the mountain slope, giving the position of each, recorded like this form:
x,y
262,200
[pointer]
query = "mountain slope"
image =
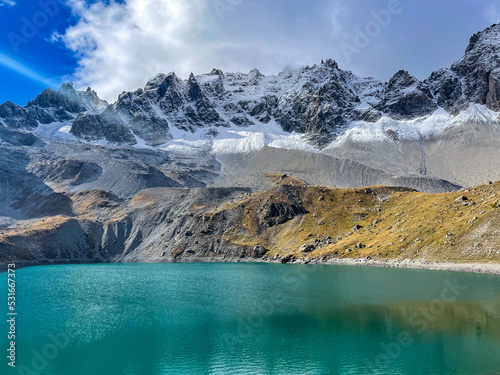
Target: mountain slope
x,y
290,222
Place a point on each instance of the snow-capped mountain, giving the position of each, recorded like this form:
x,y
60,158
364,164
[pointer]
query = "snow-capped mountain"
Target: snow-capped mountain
x,y
315,100
321,101
51,106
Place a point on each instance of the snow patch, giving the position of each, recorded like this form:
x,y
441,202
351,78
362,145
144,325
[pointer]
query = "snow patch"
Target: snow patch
x,y
141,143
57,130
414,130
236,140
476,113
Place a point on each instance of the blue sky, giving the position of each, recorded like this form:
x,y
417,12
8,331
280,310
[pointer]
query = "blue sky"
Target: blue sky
x,y
117,45
30,67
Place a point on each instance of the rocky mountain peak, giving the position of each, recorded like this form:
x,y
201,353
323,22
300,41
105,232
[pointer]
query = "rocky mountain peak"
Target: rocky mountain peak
x,y
254,77
91,100
161,82
216,72
331,63
51,98
479,68
254,73
66,98
488,35
67,87
405,97
401,80
472,42
61,105
194,89
483,51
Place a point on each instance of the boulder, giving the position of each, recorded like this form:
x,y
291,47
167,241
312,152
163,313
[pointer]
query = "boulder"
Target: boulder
x,y
259,251
307,248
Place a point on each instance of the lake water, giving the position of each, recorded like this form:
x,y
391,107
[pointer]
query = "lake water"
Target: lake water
x,y
147,319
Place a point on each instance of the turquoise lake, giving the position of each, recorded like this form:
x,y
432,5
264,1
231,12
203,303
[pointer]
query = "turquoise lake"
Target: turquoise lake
x,y
242,318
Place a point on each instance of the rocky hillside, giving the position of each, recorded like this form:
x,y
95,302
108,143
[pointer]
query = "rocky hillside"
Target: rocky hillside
x,y
288,223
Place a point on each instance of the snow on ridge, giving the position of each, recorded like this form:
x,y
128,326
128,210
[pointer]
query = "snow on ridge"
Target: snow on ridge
x,y
413,130
236,140
476,113
239,139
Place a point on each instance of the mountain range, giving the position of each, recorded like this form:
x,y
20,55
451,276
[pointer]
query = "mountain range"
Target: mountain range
x,y
225,135
315,100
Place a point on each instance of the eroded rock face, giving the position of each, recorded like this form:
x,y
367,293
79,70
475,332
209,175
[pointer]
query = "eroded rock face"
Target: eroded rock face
x,y
493,96
167,101
446,87
104,126
16,137
73,172
479,69
320,105
259,251
405,97
282,206
16,116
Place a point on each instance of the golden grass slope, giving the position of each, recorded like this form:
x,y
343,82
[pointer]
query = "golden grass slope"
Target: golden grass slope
x,y
379,223
292,219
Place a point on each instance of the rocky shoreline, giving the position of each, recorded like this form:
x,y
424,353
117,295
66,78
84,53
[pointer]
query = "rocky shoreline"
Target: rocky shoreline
x,y
479,268
473,267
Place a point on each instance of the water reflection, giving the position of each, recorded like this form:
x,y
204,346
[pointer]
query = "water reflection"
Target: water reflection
x,y
481,318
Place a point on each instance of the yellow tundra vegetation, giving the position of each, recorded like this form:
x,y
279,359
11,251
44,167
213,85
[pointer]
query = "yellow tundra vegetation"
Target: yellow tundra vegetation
x,y
377,222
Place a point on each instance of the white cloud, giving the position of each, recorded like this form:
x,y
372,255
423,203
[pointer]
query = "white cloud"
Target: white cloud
x,y
337,12
492,14
121,45
9,3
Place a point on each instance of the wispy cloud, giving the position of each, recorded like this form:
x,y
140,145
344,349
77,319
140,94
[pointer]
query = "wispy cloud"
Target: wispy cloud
x,y
336,12
492,14
22,69
9,3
